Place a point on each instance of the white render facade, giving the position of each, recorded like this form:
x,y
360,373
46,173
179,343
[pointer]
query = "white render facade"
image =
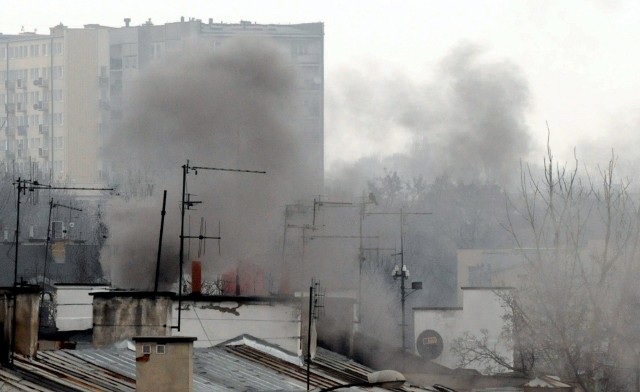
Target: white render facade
x,y
482,310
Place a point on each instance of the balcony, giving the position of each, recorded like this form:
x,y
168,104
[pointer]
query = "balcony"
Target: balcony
x,y
43,129
42,106
43,152
41,82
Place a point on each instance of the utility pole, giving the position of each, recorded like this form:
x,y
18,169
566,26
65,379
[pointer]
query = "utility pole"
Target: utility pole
x,y
316,303
402,272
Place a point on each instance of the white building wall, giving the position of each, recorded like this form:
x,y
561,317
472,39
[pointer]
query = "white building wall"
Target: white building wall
x,y
481,309
216,322
74,307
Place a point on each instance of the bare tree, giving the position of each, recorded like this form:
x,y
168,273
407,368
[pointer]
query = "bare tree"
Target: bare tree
x,y
570,312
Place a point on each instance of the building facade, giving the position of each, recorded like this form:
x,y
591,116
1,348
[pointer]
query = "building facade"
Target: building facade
x,y
64,92
54,92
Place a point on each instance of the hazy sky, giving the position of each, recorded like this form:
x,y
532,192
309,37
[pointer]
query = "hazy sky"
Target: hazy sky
x,y
580,58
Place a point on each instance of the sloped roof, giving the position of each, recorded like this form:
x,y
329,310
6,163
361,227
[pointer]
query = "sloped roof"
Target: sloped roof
x,y
547,382
223,368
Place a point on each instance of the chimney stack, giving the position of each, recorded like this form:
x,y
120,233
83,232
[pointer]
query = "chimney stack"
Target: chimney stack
x,y
25,327
164,363
196,277
121,315
127,21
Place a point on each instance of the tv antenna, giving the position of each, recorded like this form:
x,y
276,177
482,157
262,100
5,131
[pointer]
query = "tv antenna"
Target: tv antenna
x,y
32,186
186,204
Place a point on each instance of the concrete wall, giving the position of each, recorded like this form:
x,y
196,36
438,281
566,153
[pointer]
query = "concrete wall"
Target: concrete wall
x,y
26,324
74,306
216,319
119,316
481,309
166,370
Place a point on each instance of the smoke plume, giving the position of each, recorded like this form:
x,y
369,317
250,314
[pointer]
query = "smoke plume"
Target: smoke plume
x,y
235,109
468,123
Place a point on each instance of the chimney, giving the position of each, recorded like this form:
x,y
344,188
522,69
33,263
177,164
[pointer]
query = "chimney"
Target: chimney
x,y
164,363
196,277
127,21
121,315
27,301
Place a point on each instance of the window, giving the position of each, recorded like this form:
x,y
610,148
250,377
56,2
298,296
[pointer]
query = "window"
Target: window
x,y
57,48
57,72
146,349
130,61
160,349
45,49
58,119
57,95
58,167
58,142
34,97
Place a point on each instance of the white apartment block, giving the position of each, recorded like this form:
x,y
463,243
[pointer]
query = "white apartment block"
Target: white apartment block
x,y
54,94
64,92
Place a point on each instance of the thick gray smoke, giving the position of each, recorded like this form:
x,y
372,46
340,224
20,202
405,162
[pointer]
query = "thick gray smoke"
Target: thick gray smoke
x,y
234,109
468,123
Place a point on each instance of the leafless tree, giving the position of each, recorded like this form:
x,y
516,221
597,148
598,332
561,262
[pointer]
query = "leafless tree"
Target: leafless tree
x,y
570,314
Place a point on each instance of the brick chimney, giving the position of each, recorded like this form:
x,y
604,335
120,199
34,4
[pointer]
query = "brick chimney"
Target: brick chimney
x,y
164,363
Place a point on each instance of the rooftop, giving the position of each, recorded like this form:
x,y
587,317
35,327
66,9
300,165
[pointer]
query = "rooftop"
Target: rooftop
x,y
223,368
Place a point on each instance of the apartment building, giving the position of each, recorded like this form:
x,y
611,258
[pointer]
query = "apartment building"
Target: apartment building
x,y
64,92
55,95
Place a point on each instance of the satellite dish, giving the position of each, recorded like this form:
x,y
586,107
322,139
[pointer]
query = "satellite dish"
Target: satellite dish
x,y
429,344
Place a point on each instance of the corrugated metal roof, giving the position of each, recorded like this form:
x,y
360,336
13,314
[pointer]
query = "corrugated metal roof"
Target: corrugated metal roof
x,y
10,382
215,369
66,371
229,368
